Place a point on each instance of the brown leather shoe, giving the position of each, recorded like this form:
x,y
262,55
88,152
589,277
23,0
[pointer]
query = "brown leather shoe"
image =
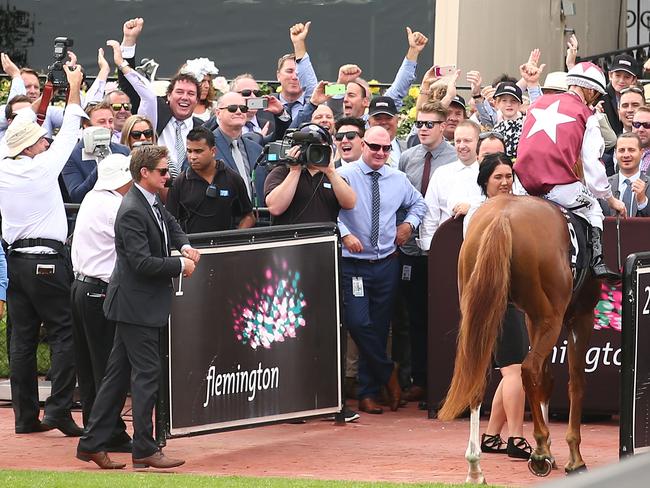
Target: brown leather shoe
x,y
368,405
394,390
415,393
100,458
157,460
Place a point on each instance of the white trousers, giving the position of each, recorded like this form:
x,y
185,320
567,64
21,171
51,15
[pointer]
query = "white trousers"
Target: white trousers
x,y
577,195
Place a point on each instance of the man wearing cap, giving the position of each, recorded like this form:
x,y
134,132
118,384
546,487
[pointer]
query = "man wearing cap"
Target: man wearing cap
x,y
456,113
34,228
383,113
559,132
93,260
622,74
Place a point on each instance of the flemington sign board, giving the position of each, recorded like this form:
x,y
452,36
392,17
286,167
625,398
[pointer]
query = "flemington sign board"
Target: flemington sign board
x,y
255,335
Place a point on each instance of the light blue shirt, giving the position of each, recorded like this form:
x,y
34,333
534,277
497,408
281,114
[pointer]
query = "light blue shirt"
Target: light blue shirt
x,y
396,192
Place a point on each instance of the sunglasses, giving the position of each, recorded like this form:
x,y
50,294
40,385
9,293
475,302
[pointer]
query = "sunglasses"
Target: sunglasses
x,y
430,124
248,93
378,147
117,106
349,135
490,135
233,108
162,171
137,134
637,125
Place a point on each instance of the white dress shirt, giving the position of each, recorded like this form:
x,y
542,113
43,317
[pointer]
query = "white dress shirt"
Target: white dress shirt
x,y
31,203
168,138
442,185
93,246
622,187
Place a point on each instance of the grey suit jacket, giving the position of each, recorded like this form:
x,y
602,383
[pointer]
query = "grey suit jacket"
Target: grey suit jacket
x,y
614,182
140,290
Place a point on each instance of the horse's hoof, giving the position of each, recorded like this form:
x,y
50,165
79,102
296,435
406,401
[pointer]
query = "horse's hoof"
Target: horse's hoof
x,y
540,467
479,480
578,470
553,463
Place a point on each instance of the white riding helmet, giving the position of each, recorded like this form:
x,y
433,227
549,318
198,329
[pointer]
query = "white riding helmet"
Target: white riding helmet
x,y
587,75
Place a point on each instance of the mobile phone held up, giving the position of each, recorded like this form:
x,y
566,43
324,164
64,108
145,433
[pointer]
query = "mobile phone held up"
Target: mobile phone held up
x,y
257,103
443,70
335,89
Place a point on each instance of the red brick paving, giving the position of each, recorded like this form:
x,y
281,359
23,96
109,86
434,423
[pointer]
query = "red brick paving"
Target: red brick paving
x,y
401,446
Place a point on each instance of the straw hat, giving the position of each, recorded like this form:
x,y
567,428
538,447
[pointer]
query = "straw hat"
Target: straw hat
x,y
555,80
21,134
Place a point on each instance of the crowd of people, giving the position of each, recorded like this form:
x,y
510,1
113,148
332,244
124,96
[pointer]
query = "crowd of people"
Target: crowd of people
x,y
148,169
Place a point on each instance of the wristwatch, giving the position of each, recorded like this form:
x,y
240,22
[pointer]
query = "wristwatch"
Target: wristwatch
x,y
123,64
476,97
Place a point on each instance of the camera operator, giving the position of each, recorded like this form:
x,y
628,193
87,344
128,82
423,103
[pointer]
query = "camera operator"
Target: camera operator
x,y
34,227
302,193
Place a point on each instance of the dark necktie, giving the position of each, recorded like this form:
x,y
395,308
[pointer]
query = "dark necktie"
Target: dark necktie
x,y
161,224
376,203
627,196
426,174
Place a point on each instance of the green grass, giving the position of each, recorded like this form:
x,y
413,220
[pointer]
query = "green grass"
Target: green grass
x,y
19,479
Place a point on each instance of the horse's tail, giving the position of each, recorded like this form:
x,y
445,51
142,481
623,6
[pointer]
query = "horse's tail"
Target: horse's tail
x,y
483,304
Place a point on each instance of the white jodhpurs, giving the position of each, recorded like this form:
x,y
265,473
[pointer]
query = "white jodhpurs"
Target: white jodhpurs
x,y
577,195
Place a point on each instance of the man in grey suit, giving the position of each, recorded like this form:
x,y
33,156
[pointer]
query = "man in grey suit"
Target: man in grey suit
x,y
238,152
138,300
630,183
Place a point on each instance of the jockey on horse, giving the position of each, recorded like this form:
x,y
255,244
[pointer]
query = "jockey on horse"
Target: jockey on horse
x,y
560,132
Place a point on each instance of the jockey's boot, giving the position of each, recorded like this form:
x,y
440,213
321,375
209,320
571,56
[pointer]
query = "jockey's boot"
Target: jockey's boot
x,y
598,266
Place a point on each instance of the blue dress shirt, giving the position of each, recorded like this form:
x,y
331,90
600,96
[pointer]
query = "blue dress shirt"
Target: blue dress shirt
x,y
396,192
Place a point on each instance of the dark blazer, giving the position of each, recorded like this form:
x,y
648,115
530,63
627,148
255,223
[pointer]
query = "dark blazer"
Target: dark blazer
x,y
611,110
614,182
80,175
140,290
253,150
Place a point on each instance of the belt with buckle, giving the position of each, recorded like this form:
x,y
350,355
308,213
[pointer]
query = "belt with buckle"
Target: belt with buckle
x,y
90,280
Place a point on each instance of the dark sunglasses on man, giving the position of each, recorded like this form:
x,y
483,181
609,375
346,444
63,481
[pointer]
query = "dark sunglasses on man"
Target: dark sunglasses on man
x,y
247,93
430,124
162,171
377,147
233,108
350,136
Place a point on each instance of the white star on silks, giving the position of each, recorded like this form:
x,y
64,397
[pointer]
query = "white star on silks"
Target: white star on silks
x,y
547,119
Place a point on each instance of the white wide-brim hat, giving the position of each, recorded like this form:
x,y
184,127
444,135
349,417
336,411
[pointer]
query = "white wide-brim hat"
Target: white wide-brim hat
x,y
21,134
113,172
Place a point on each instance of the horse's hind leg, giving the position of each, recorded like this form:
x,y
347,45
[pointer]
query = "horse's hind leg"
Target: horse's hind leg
x,y
473,453
578,340
543,333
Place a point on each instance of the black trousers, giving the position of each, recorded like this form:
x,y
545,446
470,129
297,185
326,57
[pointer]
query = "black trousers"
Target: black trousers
x,y
415,293
93,340
38,293
135,355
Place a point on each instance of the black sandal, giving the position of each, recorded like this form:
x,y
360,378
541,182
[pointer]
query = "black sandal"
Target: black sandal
x,y
493,444
519,448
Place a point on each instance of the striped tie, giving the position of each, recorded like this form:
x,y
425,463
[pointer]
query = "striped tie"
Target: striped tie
x,y
174,169
376,202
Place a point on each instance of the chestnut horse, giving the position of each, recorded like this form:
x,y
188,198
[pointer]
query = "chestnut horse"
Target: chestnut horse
x,y
517,249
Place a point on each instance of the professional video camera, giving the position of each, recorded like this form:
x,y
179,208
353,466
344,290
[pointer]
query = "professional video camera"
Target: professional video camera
x,y
315,146
97,141
55,72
